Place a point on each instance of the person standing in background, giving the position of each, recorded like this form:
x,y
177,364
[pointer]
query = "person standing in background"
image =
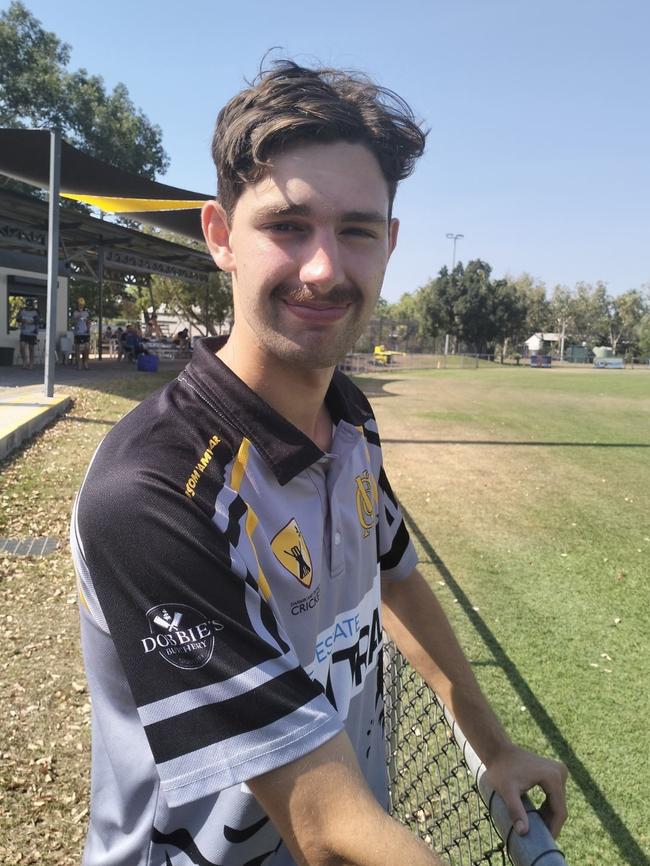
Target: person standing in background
x,y
81,326
28,319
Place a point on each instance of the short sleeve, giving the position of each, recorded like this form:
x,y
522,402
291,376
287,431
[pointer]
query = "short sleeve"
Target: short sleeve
x,y
216,684
397,556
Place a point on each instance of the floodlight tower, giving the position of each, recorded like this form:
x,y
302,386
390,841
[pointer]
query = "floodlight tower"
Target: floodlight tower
x,y
454,238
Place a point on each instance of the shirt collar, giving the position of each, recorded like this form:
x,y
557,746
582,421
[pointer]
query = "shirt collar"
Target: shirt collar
x,y
285,448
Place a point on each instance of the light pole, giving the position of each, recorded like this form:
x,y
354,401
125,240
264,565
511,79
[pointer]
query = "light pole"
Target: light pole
x,y
454,238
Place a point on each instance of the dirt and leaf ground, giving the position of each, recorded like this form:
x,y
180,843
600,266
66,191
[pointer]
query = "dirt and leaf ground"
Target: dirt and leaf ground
x,y
528,494
44,721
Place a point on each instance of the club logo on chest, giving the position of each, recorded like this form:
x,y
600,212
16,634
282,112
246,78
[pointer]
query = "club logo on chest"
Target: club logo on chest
x,y
366,497
291,551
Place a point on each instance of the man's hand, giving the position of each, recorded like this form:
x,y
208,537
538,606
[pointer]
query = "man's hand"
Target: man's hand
x,y
514,771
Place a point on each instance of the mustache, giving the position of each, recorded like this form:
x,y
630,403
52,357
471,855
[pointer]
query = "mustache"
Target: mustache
x,y
301,294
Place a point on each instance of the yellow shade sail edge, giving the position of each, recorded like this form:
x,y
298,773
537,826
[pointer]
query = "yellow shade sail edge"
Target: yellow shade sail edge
x,y
118,204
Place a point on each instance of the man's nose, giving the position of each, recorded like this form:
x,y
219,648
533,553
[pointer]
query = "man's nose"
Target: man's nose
x,y
322,266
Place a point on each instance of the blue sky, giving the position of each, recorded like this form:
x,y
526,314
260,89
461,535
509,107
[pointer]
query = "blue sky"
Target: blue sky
x,y
539,150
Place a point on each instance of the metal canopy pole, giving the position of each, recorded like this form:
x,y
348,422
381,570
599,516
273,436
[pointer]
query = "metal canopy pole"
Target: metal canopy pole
x,y
52,259
100,283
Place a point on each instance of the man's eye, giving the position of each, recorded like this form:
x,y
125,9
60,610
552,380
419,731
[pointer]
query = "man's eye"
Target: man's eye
x,y
283,227
356,231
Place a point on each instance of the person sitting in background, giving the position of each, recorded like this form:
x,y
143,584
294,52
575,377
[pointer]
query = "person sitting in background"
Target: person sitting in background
x,y
109,340
152,330
133,343
28,320
113,344
182,339
120,338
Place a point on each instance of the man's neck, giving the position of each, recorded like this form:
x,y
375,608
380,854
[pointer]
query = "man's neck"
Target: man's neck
x,y
295,393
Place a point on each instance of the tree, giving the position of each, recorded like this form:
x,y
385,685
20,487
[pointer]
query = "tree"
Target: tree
x,y
472,308
539,317
562,310
590,313
642,336
204,307
625,313
39,91
407,316
510,312
439,299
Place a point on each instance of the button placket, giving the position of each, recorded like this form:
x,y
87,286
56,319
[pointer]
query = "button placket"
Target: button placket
x,y
337,547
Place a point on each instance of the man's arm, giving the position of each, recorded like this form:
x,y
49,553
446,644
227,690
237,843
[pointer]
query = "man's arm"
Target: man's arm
x,y
327,816
416,622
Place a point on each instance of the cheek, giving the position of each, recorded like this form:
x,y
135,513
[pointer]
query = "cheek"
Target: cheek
x,y
262,262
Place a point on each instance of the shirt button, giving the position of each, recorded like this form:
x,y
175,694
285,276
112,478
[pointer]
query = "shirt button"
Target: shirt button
x,y
337,538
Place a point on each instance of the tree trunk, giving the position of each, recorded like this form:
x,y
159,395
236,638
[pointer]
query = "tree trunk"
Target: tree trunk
x,y
562,337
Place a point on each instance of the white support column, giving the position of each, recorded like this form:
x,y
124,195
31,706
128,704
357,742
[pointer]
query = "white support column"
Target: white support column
x,y
52,259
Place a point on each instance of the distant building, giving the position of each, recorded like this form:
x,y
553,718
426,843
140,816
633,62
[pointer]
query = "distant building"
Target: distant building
x,y
541,342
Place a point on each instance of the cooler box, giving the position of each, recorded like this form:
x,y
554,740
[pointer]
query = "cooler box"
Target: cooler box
x,y
6,356
148,363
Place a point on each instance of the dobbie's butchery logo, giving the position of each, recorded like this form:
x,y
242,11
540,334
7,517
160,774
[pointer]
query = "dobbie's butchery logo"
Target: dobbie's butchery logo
x,y
181,635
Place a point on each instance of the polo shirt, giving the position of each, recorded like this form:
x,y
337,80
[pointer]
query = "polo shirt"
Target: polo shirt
x,y
229,576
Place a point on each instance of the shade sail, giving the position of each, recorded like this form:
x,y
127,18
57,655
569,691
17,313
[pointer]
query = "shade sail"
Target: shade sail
x,y
23,232
25,156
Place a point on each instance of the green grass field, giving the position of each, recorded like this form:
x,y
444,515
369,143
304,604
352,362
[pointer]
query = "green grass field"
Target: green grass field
x,y
528,494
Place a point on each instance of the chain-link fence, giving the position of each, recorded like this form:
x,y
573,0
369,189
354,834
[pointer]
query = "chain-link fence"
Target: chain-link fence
x,y
437,787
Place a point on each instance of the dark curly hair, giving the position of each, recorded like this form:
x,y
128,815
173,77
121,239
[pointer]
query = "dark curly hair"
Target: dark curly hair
x,y
289,105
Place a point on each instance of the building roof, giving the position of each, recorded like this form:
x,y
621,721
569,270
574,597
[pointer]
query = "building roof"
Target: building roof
x,y
540,337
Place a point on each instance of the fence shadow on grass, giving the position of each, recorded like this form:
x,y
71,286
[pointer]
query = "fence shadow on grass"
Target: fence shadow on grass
x,y
607,815
510,442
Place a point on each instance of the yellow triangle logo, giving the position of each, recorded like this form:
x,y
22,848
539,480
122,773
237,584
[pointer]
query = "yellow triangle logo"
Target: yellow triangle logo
x,y
290,549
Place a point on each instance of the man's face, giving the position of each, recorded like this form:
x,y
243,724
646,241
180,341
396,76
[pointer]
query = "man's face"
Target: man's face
x,y
307,247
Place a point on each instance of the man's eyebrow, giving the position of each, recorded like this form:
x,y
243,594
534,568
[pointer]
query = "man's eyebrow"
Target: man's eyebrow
x,y
302,210
364,216
283,210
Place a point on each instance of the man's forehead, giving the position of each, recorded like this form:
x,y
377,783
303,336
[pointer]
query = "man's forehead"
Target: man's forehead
x,y
342,177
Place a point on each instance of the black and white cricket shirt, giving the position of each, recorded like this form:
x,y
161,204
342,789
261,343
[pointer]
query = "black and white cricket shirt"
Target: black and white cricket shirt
x,y
229,578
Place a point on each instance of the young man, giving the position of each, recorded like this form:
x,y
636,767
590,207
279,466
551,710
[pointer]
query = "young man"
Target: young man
x,y
81,327
237,541
28,319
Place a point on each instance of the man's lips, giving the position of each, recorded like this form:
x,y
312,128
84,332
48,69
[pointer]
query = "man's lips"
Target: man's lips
x,y
314,311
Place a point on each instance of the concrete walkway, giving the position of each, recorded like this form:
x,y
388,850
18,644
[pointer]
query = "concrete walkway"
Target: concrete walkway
x,y
24,408
25,411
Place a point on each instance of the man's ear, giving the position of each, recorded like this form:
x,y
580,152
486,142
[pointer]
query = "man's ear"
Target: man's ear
x,y
217,235
393,231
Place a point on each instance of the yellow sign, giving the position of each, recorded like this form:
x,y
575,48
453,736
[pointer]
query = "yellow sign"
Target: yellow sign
x,y
291,550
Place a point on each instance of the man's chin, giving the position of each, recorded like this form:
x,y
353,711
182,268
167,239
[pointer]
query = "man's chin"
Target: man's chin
x,y
316,354
308,360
